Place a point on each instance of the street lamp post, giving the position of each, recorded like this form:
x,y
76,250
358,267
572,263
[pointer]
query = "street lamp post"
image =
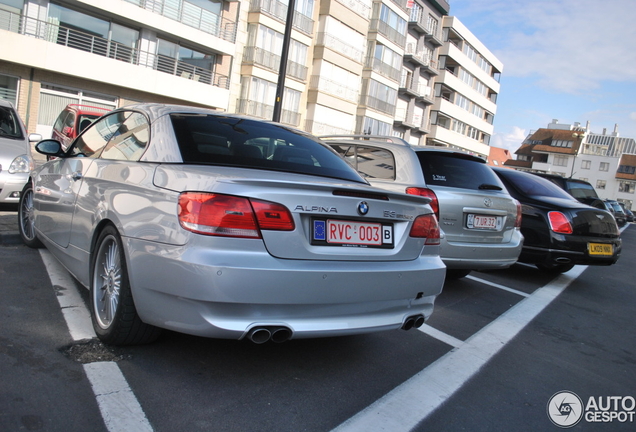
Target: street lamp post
x,y
282,70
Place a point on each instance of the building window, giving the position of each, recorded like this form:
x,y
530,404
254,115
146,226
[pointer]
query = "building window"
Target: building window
x,y
626,186
371,126
9,89
380,96
586,164
604,166
626,169
600,184
560,160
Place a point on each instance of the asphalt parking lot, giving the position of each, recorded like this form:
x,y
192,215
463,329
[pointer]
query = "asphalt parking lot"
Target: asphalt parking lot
x,y
489,358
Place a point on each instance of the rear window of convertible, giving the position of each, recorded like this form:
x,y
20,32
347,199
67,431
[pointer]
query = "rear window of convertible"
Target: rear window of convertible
x,y
247,143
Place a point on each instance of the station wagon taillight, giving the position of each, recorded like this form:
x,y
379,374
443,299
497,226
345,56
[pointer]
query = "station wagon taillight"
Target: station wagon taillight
x,y
519,214
559,223
231,216
426,226
427,193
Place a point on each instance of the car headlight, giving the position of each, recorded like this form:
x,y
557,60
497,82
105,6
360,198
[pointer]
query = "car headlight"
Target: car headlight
x,y
21,164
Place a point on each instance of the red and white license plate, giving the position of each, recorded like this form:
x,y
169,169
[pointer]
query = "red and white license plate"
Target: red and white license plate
x,y
340,232
483,222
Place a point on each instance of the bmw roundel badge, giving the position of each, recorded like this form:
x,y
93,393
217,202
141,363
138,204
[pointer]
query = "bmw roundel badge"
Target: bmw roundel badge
x,y
363,208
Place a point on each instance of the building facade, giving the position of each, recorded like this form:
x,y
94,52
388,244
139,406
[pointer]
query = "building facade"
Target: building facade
x,y
382,67
605,160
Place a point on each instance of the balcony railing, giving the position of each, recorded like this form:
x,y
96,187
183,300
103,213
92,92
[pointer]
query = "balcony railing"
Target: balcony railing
x,y
271,61
278,10
358,7
333,88
389,32
264,111
192,16
82,41
377,104
340,46
384,69
318,128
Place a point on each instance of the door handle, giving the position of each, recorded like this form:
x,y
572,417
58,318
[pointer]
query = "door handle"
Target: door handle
x,y
76,175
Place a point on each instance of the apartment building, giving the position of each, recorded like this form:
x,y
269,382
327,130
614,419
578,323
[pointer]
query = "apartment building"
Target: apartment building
x,y
465,92
606,160
386,67
111,53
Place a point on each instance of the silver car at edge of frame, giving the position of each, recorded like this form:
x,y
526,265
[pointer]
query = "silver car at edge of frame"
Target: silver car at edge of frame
x,y
15,154
225,226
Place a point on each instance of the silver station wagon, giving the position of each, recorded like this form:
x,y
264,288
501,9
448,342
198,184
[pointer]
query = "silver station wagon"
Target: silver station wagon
x,y
480,221
224,226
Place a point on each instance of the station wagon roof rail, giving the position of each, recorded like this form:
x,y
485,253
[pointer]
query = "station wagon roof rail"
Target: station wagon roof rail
x,y
387,138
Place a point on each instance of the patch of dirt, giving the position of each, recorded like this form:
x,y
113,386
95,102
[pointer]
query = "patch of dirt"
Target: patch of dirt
x,y
92,351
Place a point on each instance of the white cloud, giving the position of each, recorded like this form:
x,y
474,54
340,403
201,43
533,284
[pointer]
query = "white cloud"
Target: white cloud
x,y
566,46
511,141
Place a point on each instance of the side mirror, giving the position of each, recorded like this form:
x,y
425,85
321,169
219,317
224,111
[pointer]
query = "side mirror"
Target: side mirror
x,y
49,147
35,137
67,130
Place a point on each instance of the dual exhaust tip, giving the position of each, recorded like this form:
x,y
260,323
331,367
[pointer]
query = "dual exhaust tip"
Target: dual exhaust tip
x,y
414,321
279,334
261,334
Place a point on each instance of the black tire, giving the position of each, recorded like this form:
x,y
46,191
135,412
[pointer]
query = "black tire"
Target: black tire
x,y
555,268
113,311
26,218
456,273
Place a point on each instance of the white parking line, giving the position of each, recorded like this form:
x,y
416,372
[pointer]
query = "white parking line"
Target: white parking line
x,y
440,335
414,400
505,288
117,403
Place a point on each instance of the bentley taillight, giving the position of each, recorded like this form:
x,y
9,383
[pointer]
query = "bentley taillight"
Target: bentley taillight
x,y
559,223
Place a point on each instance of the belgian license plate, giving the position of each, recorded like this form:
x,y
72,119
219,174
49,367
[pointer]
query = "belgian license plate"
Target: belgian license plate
x,y
475,221
352,233
600,249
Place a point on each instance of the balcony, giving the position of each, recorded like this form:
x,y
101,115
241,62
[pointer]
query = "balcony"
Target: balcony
x,y
434,38
319,129
377,104
333,88
384,69
264,111
338,45
278,10
271,61
418,20
389,32
192,16
78,40
358,7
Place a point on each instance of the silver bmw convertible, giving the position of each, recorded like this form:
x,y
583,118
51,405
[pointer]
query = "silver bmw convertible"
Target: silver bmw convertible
x,y
230,227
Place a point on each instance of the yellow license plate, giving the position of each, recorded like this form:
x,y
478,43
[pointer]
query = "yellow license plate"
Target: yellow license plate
x,y
600,249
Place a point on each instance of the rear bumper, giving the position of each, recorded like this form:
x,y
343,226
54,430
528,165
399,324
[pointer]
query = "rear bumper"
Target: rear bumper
x,y
482,256
570,253
225,294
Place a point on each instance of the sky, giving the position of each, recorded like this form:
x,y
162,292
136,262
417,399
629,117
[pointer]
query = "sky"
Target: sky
x,y
570,60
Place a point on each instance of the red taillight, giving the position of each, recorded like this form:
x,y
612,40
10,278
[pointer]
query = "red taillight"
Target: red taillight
x,y
427,193
272,216
519,215
230,216
426,226
559,223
